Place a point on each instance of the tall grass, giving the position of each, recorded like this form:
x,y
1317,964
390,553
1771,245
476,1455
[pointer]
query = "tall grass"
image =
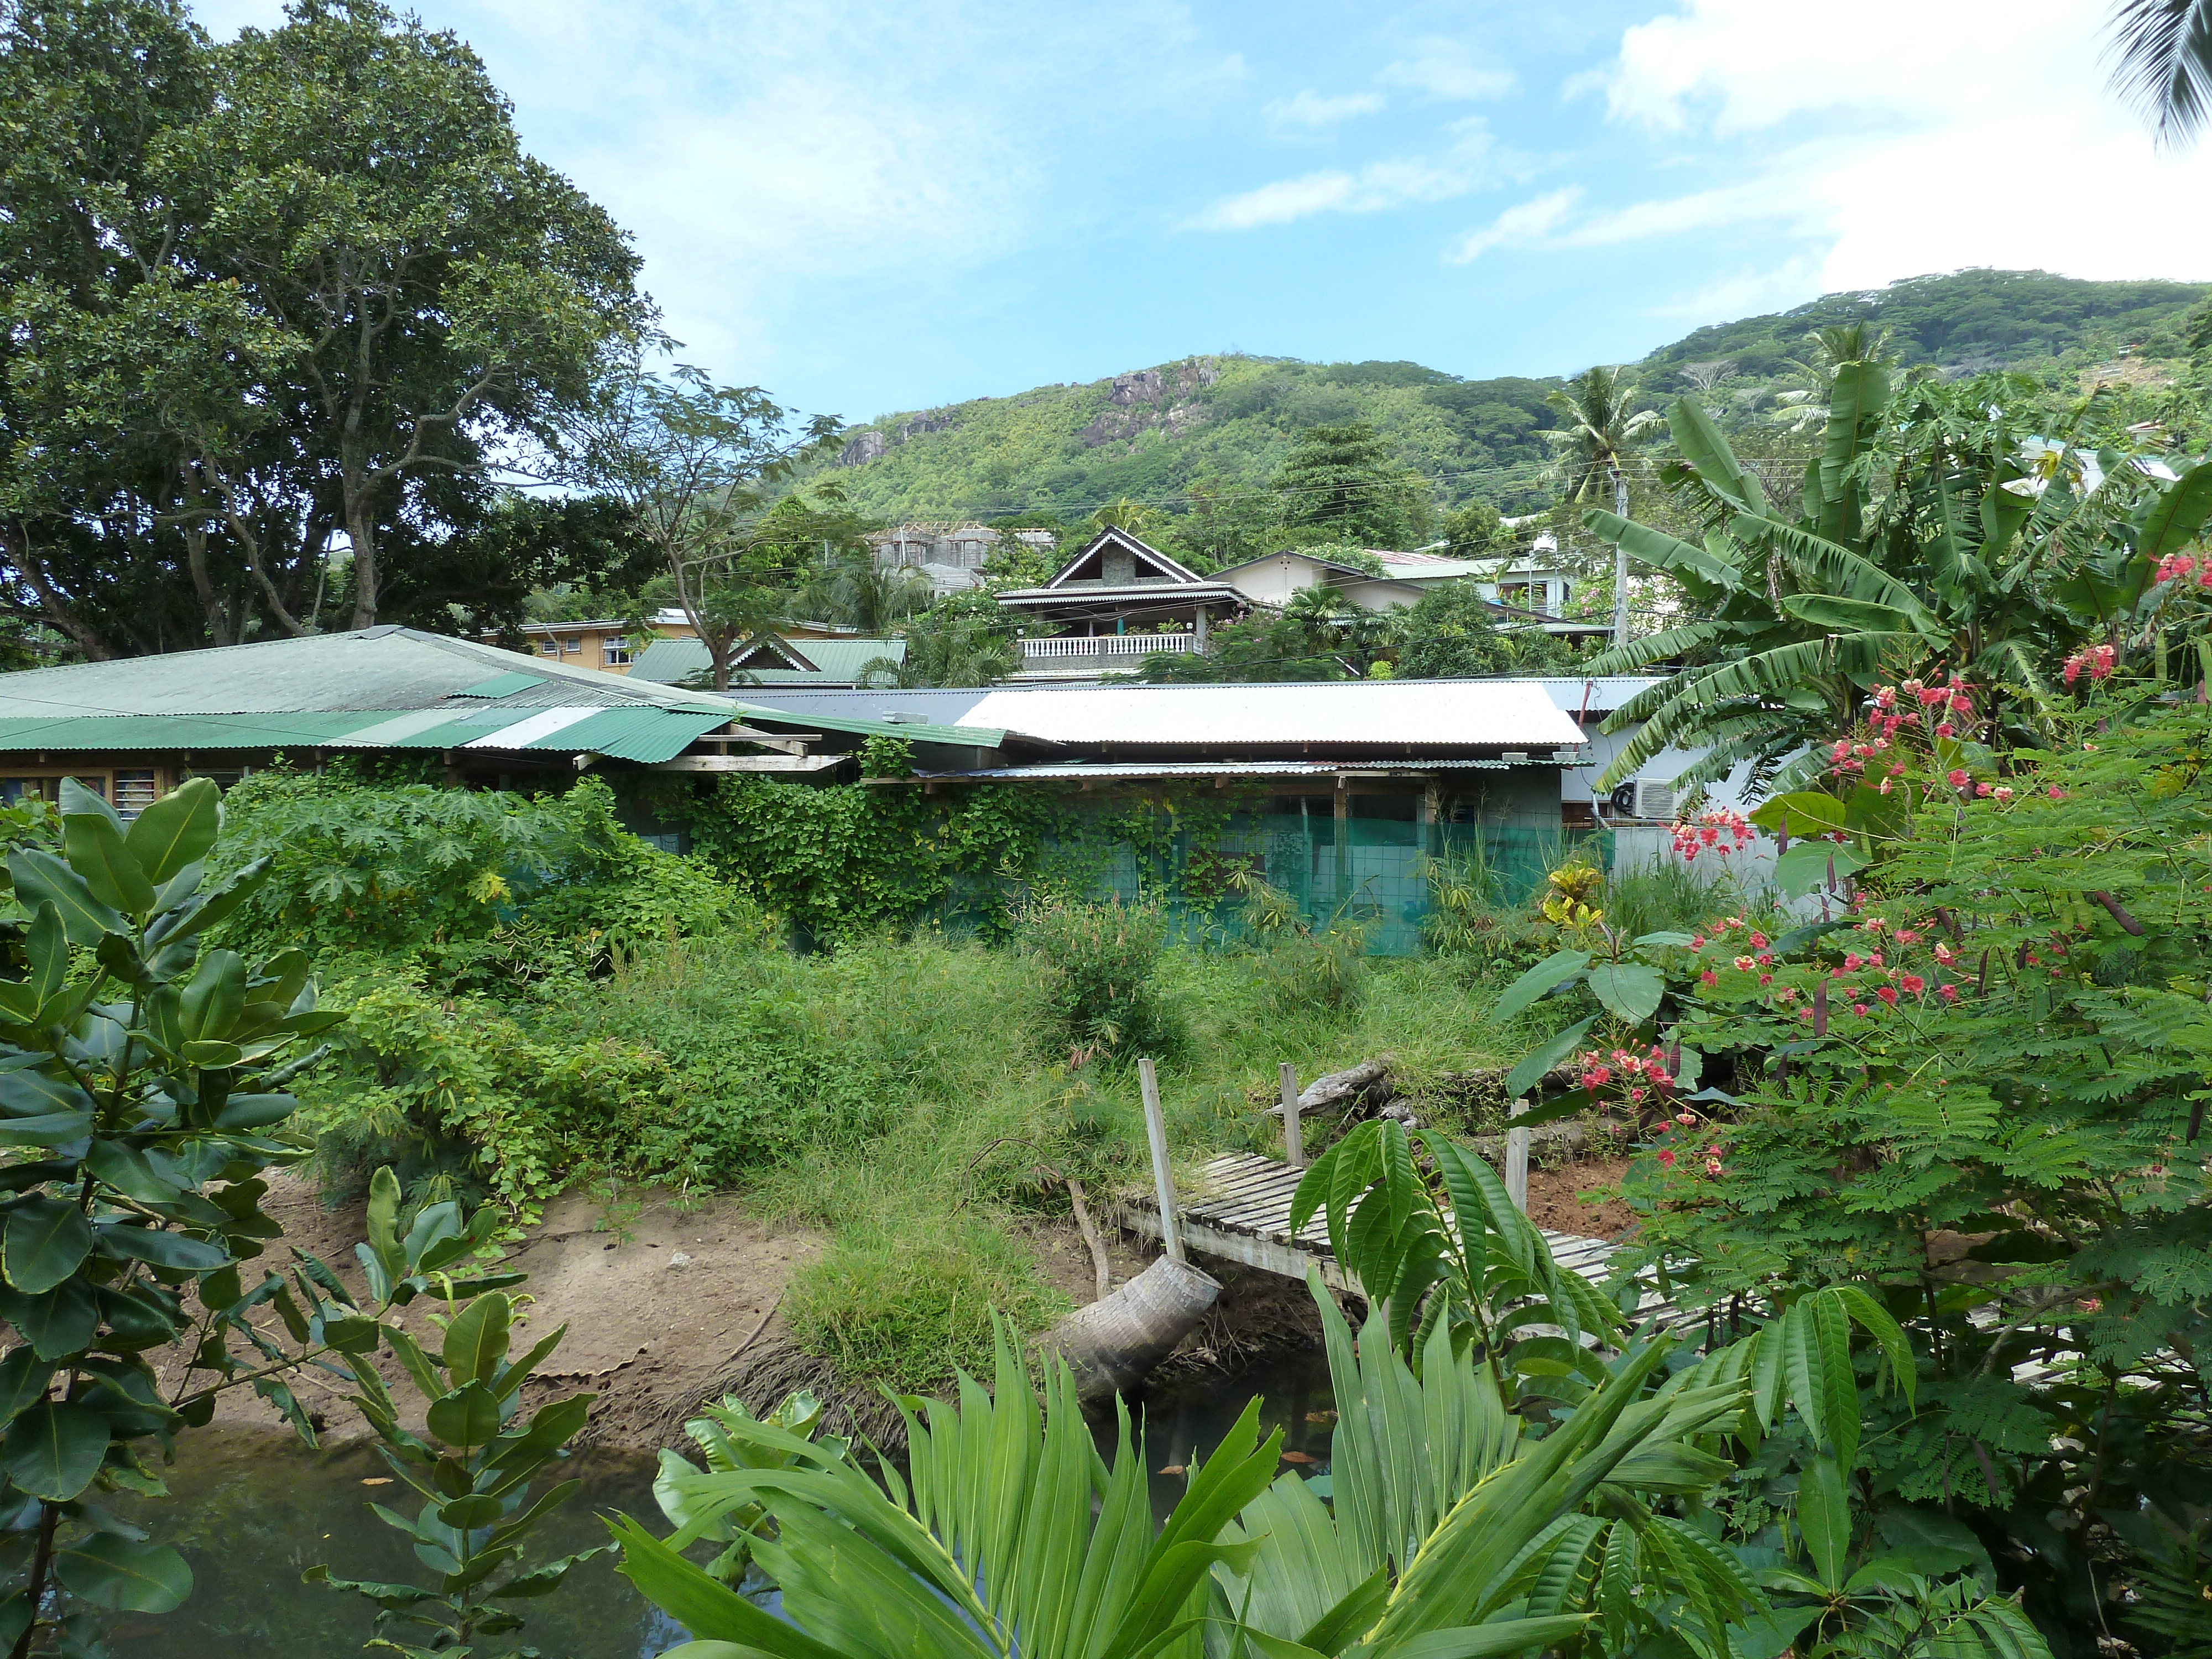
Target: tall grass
x,y
900,1096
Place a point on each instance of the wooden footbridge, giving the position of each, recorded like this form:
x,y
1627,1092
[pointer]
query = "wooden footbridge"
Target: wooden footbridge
x,y
1242,1212
1241,1209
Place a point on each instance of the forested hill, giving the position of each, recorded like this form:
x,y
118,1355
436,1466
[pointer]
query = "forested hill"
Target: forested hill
x,y
1223,423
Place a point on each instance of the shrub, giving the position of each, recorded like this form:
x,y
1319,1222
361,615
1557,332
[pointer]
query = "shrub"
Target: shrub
x,y
1097,963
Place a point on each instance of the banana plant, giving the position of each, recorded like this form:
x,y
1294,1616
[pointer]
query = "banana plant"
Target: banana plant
x,y
1934,531
1465,1257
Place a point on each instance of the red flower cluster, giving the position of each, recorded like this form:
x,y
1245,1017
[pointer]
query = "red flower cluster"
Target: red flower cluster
x,y
2175,567
1707,830
2096,659
1639,1074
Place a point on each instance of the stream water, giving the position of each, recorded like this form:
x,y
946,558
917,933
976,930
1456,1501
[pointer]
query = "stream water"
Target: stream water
x,y
253,1508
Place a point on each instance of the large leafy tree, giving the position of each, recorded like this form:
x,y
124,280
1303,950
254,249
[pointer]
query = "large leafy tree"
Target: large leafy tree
x,y
266,297
1345,481
691,463
1939,532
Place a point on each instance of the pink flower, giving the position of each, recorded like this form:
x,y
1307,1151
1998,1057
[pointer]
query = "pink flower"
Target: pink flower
x,y
2056,792
1713,1167
1853,962
1743,964
1757,941
1961,706
1860,1009
1709,977
2003,792
1685,1119
1666,1158
1873,958
1887,993
1886,698
1981,789
1766,979
1957,778
1886,782
1906,936
1947,730
1950,993
1696,941
1945,953
1636,1097
1913,984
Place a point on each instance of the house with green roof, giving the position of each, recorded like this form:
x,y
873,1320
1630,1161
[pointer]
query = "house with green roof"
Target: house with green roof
x,y
134,728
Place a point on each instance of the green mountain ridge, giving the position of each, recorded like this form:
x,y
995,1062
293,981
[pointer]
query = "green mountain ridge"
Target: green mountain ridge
x,y
1217,426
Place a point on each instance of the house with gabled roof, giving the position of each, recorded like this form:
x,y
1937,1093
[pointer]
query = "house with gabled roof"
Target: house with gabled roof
x,y
1116,599
769,659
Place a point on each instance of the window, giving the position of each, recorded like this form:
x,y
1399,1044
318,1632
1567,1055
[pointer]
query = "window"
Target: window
x,y
225,781
134,794
550,648
1516,593
573,645
614,651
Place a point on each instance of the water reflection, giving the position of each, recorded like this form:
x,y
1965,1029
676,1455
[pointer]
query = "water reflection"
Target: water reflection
x,y
253,1508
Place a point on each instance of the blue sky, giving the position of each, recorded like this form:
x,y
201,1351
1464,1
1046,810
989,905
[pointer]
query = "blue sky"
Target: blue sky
x,y
866,206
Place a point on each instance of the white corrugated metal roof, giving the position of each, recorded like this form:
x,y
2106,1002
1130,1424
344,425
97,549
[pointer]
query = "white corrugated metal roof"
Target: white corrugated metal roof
x,y
1427,714
1600,695
1063,770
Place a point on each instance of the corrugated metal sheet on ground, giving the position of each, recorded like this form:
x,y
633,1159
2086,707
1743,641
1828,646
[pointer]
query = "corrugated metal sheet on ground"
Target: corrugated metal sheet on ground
x,y
162,732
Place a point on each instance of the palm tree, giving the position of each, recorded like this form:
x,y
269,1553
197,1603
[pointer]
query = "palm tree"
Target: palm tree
x,y
861,594
1594,443
2165,52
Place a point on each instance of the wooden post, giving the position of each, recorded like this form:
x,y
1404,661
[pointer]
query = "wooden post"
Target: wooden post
x,y
1155,1132
1294,1144
1517,1160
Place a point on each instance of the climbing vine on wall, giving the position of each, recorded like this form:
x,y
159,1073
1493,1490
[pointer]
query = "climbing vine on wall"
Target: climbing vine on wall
x,y
861,858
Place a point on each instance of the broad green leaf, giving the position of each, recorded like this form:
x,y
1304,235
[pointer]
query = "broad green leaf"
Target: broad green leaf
x,y
42,878
467,1417
1660,551
96,851
1824,1515
77,801
1817,863
1804,812
56,1324
2177,514
176,830
710,1611
24,1378
162,1249
53,1129
383,1219
1553,971
26,1092
466,1513
213,1056
214,998
45,943
356,1334
53,1451
477,1339
110,1570
1860,390
1531,1070
1630,991
46,1240
543,1580
255,1111
1849,616
1665,937
1703,445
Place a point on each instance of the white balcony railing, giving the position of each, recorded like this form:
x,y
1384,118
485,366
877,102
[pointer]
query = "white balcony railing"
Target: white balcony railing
x,y
1106,645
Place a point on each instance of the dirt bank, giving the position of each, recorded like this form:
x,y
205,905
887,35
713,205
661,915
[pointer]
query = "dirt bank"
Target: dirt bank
x,y
1556,1201
669,1305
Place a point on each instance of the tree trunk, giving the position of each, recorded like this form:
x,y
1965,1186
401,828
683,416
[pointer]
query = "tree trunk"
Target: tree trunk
x,y
360,530
53,609
1111,1344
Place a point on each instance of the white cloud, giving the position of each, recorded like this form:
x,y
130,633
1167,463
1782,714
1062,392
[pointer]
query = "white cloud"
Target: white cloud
x,y
1444,68
1369,189
1531,222
1921,137
1313,109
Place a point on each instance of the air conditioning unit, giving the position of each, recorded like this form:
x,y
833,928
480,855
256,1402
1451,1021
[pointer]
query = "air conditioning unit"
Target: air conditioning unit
x,y
1645,798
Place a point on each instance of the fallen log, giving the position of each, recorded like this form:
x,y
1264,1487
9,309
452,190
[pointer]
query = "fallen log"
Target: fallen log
x,y
1113,1344
1334,1088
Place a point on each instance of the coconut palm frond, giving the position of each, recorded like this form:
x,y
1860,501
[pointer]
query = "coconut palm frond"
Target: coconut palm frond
x,y
2164,52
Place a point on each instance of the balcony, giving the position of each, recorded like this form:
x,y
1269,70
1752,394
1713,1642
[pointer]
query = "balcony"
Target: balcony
x,y
1077,653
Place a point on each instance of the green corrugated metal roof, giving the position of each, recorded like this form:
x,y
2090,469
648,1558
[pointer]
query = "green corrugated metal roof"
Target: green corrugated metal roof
x,y
644,735
836,662
88,733
459,728
500,685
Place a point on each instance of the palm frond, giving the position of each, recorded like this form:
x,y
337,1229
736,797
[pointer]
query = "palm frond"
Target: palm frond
x,y
2164,49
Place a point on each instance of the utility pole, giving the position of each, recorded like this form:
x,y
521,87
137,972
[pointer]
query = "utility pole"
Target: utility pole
x,y
1619,561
